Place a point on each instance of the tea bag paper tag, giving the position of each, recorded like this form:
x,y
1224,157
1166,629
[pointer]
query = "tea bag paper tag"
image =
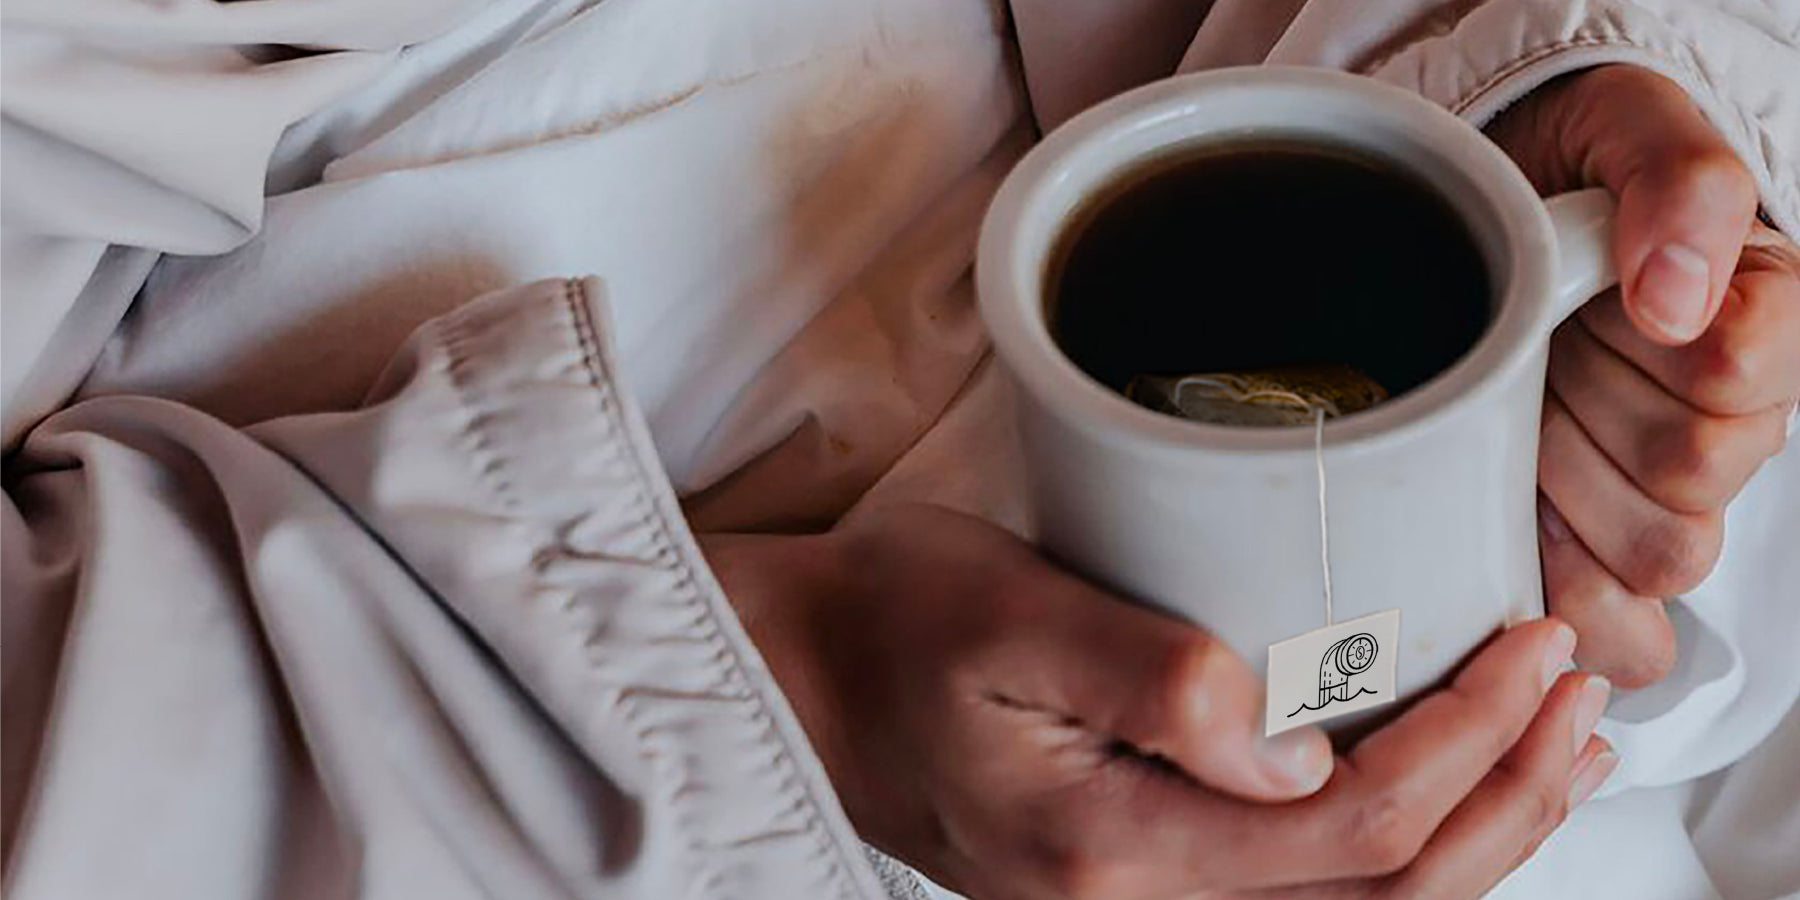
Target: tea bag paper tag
x,y
1338,669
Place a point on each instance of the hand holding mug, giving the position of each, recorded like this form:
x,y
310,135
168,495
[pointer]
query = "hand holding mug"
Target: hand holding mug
x,y
1432,493
1663,398
1018,733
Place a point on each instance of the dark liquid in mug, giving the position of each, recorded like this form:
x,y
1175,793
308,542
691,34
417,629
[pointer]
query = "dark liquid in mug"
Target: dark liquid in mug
x,y
1269,255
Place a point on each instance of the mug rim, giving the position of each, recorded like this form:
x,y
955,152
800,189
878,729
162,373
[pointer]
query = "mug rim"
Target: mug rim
x,y
1011,268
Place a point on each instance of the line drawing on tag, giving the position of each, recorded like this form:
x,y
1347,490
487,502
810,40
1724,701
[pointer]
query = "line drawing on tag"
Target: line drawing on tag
x,y
1351,656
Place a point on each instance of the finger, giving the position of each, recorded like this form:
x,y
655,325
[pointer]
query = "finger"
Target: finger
x,y
1745,363
1685,200
1597,761
1517,805
1654,552
1625,637
1592,765
1684,459
1165,687
1390,793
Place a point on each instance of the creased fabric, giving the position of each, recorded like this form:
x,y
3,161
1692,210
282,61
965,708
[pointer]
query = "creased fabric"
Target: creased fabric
x,y
456,643
151,125
311,623
784,215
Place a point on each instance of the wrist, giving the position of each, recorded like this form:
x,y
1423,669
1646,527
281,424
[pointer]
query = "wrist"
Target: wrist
x,y
784,589
774,582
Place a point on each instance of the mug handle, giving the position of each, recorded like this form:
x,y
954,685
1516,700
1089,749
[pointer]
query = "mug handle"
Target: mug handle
x,y
1583,223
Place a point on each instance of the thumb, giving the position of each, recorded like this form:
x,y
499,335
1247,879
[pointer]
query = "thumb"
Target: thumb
x,y
1166,688
1686,202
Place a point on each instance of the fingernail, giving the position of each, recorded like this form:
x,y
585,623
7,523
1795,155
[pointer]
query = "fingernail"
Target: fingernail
x,y
1672,290
1588,708
1554,526
1591,776
1296,760
1558,652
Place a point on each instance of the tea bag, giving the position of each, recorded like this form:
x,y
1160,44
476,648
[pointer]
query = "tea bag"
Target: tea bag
x,y
1352,673
1342,667
1277,395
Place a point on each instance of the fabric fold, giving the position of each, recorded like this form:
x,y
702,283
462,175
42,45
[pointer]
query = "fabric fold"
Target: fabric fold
x,y
455,643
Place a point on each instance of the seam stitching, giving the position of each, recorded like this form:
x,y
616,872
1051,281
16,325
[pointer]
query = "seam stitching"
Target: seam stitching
x,y
687,594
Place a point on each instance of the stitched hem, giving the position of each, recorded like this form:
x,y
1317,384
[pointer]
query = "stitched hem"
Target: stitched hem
x,y
700,599
596,596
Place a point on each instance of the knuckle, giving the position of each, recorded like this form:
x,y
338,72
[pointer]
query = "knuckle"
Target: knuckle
x,y
1689,465
1728,373
1672,554
1649,661
1383,835
1713,170
1768,279
1545,804
1187,668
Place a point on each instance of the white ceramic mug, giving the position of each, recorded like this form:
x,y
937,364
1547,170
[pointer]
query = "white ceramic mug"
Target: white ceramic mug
x,y
1432,494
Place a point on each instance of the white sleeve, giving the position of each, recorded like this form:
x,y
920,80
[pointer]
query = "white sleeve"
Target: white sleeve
x,y
1739,59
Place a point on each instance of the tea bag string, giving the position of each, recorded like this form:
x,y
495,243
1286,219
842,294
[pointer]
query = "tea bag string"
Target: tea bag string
x,y
1319,410
1324,525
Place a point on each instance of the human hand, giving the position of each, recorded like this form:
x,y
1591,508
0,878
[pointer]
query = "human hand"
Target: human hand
x,y
1017,733
1665,397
